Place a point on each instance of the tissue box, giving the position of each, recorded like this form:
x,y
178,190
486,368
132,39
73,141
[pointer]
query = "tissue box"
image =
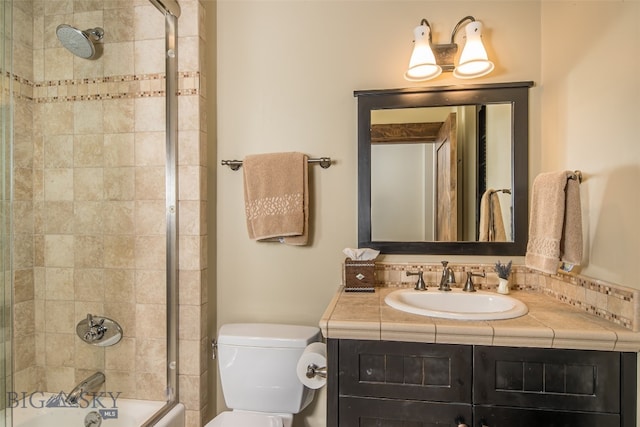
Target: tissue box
x,y
359,275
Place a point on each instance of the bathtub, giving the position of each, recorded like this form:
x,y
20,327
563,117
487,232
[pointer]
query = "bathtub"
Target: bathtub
x,y
31,411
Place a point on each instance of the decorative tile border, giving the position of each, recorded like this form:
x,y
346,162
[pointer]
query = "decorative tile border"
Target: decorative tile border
x,y
102,88
617,304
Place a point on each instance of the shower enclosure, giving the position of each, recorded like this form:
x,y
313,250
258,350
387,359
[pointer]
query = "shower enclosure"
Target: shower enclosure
x,y
88,217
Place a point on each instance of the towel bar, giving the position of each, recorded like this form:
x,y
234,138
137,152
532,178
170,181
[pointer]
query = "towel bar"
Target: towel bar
x,y
577,175
503,190
325,162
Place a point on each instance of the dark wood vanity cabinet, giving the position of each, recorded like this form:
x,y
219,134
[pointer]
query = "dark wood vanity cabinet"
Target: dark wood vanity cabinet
x,y
529,387
402,384
394,384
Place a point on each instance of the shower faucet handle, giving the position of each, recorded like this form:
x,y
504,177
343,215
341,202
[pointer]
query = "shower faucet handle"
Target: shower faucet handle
x,y
99,330
92,323
96,330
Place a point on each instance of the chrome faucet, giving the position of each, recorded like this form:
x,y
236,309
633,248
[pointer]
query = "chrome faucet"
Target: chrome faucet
x,y
420,285
87,385
448,277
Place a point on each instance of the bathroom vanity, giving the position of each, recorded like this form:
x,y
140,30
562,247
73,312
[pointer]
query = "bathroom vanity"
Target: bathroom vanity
x,y
555,366
570,361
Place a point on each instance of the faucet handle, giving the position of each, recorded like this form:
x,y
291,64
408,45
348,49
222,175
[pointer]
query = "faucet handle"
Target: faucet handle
x,y
92,323
95,330
468,286
420,285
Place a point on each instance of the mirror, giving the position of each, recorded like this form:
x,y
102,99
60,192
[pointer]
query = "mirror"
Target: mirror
x,y
426,158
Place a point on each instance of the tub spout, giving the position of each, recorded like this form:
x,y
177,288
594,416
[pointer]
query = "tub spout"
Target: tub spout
x,y
87,385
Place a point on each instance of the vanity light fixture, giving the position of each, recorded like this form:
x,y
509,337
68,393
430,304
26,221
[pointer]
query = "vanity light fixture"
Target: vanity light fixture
x,y
429,60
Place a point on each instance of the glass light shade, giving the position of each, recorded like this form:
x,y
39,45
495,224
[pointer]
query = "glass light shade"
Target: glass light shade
x,y
422,65
473,59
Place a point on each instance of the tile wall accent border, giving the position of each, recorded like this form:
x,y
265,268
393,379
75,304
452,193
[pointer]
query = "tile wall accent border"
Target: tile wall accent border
x,y
103,88
615,303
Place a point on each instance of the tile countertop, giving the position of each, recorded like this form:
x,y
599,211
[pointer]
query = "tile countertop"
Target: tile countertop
x,y
548,324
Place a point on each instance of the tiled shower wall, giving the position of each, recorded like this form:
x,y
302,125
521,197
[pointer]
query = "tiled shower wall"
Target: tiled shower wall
x,y
89,199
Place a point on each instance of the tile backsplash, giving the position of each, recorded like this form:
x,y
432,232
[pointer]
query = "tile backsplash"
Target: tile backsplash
x,y
609,301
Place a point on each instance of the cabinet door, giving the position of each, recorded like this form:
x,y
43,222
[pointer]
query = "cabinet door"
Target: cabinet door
x,y
488,416
401,370
573,380
364,412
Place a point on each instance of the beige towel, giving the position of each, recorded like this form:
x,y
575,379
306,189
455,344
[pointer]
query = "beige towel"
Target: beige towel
x,y
276,197
555,223
491,222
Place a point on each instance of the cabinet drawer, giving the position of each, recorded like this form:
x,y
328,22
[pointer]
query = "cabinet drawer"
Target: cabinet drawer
x,y
574,380
367,412
516,417
401,370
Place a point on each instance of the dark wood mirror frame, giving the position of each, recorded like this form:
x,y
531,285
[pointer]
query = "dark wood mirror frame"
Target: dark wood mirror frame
x,y
516,94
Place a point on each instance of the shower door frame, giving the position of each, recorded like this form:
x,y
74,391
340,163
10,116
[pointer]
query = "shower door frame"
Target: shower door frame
x,y
171,10
6,205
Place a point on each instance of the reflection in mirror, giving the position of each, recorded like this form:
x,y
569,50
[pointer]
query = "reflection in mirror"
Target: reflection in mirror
x,y
426,158
437,162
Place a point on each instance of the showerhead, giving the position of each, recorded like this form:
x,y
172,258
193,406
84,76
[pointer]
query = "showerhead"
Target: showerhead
x,y
80,43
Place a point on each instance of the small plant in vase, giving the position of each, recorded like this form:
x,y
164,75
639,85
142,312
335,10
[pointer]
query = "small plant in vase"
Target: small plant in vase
x,y
503,270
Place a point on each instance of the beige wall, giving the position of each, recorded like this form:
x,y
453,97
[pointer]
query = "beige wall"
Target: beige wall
x,y
590,92
286,72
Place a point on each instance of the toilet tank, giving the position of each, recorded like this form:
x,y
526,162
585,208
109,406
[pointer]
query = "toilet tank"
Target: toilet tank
x,y
257,364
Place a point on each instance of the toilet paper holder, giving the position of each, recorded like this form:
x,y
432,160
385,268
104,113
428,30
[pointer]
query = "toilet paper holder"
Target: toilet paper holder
x,y
314,370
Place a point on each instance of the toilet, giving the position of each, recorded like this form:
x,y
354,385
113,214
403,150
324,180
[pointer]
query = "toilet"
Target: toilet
x,y
257,364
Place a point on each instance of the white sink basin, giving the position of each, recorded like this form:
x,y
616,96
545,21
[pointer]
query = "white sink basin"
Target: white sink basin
x,y
456,304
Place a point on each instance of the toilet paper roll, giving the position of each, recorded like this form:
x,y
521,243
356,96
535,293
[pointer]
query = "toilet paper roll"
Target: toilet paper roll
x,y
315,356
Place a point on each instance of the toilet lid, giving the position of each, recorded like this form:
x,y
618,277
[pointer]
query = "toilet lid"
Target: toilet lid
x,y
245,419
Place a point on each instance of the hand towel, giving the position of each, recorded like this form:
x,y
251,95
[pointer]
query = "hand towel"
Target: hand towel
x,y
276,197
491,222
571,243
555,223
